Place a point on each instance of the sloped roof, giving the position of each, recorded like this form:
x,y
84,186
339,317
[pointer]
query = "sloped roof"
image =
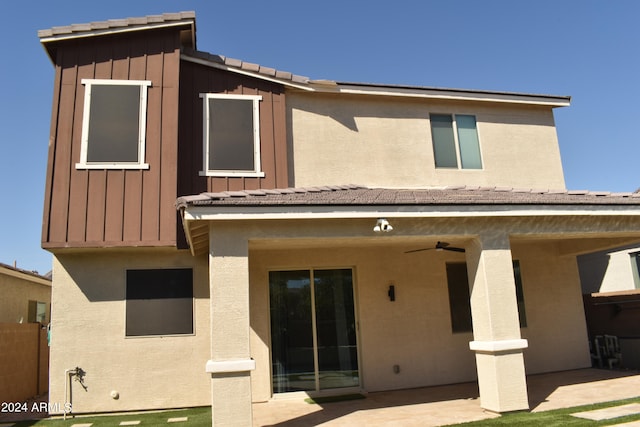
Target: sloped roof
x,y
355,195
25,274
113,26
241,65
49,37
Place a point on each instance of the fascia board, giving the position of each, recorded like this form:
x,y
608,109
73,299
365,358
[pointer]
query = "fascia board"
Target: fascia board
x,y
224,213
115,30
25,276
445,94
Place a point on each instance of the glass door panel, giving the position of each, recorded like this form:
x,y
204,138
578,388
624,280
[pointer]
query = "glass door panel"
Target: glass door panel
x,y
293,363
336,329
313,330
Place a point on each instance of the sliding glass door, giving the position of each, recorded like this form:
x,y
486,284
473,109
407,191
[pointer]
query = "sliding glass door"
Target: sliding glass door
x,y
313,330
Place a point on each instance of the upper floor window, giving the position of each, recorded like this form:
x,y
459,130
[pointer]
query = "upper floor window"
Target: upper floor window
x,y
231,135
455,141
114,124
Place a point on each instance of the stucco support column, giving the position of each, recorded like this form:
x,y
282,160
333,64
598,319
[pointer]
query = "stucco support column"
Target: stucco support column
x,y
231,362
496,327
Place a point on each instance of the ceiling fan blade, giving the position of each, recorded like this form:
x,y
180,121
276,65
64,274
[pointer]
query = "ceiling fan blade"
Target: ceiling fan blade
x,y
419,250
445,246
440,246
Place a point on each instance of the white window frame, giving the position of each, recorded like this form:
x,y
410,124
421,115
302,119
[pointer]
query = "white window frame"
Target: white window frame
x,y
142,128
456,140
257,171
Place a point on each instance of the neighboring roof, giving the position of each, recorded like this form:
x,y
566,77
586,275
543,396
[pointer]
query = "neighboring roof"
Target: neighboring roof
x,y
354,195
114,26
33,276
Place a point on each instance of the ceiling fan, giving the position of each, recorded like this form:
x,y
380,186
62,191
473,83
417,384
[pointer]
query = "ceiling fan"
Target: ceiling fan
x,y
440,246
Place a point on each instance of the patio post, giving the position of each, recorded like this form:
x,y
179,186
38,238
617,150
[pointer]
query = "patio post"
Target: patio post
x,y
496,327
231,362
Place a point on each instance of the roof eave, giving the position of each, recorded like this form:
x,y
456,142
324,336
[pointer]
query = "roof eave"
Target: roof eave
x,y
49,37
290,212
440,93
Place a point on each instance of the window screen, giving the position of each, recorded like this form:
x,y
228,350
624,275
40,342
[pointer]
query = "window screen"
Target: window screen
x,y
114,124
231,134
159,302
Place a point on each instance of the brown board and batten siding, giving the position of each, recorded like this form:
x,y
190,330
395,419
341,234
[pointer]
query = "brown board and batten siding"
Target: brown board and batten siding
x,y
197,78
114,207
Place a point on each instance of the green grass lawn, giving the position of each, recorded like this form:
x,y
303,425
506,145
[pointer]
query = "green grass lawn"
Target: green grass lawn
x,y
558,417
202,417
197,417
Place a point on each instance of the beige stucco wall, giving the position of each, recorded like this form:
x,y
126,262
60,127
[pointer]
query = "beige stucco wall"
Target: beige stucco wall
x,y
88,331
17,292
556,327
386,141
414,332
608,271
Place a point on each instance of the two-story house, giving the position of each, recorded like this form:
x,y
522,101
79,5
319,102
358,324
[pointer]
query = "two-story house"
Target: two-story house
x,y
328,236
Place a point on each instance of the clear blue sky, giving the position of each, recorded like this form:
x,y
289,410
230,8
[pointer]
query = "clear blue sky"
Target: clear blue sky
x,y
583,48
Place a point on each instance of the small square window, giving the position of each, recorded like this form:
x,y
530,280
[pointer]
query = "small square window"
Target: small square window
x,y
114,124
37,312
455,141
231,135
159,302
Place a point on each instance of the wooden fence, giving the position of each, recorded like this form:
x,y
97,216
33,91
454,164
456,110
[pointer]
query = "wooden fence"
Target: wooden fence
x,y
24,361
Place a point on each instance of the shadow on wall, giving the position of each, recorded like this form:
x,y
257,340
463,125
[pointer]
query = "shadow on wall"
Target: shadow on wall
x,y
343,111
103,277
595,267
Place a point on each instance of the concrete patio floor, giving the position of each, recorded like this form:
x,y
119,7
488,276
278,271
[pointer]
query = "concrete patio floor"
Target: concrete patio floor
x,y
450,404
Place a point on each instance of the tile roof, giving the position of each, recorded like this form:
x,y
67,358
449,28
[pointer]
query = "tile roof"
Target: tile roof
x,y
46,276
354,195
245,66
189,51
78,29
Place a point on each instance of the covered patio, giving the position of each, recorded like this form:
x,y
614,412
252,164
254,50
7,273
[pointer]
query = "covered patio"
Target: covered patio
x,y
450,404
509,260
